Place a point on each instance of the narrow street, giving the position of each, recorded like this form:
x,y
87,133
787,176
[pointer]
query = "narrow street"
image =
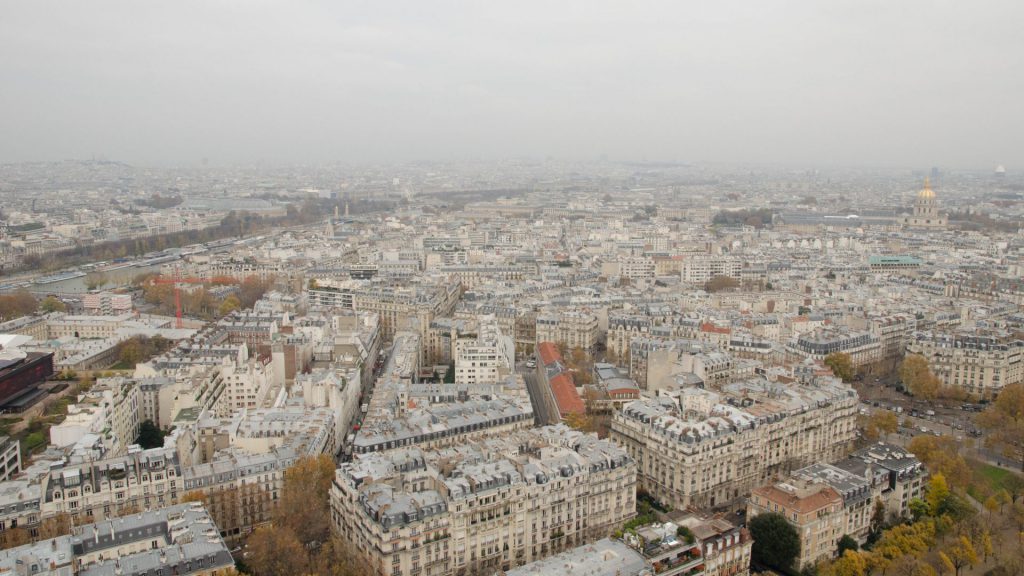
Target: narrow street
x,y
544,409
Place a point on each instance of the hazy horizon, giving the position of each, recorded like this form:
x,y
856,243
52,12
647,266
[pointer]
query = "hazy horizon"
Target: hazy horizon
x,y
794,83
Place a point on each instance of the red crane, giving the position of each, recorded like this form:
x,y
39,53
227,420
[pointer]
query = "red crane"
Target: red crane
x,y
176,280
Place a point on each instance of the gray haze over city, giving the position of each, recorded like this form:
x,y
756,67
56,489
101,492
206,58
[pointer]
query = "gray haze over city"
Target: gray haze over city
x,y
797,83
511,288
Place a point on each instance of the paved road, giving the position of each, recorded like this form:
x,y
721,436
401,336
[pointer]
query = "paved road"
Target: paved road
x,y
544,409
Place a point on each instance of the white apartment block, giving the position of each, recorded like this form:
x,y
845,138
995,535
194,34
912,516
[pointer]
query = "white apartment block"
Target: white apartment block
x,y
107,303
246,384
110,411
700,269
485,359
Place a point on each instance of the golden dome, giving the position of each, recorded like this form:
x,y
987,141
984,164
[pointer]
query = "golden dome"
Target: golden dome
x,y
926,193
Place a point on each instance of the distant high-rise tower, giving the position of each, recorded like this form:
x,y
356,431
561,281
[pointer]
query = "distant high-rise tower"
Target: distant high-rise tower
x,y
1000,171
346,209
335,211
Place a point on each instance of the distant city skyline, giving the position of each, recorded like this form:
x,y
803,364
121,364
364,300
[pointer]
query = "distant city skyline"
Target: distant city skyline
x,y
797,83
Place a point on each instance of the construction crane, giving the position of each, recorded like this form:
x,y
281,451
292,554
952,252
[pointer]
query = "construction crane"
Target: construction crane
x,y
177,279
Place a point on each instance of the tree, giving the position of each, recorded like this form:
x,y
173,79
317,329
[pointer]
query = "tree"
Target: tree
x,y
841,365
937,495
252,289
1004,422
336,558
877,520
579,421
991,504
961,554
918,377
130,352
911,566
986,544
275,551
720,283
94,280
304,506
13,537
54,526
53,304
776,542
881,422
149,435
941,454
229,305
16,305
946,562
845,543
918,509
849,563
906,539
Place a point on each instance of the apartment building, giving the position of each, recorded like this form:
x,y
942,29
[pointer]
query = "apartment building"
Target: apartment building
x,y
442,335
97,490
338,390
109,410
485,357
980,362
10,457
697,270
654,359
398,307
813,508
19,506
825,502
621,331
410,421
482,506
725,547
246,384
571,328
863,347
238,488
177,540
897,476
605,557
696,447
893,331
107,303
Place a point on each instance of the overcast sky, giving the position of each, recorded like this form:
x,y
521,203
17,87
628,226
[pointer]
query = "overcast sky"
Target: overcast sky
x,y
817,82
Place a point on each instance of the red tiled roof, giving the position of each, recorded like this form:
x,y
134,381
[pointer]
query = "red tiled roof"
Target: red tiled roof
x,y
548,352
624,393
709,327
568,400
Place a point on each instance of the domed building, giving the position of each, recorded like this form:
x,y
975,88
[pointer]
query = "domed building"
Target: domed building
x,y
926,210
